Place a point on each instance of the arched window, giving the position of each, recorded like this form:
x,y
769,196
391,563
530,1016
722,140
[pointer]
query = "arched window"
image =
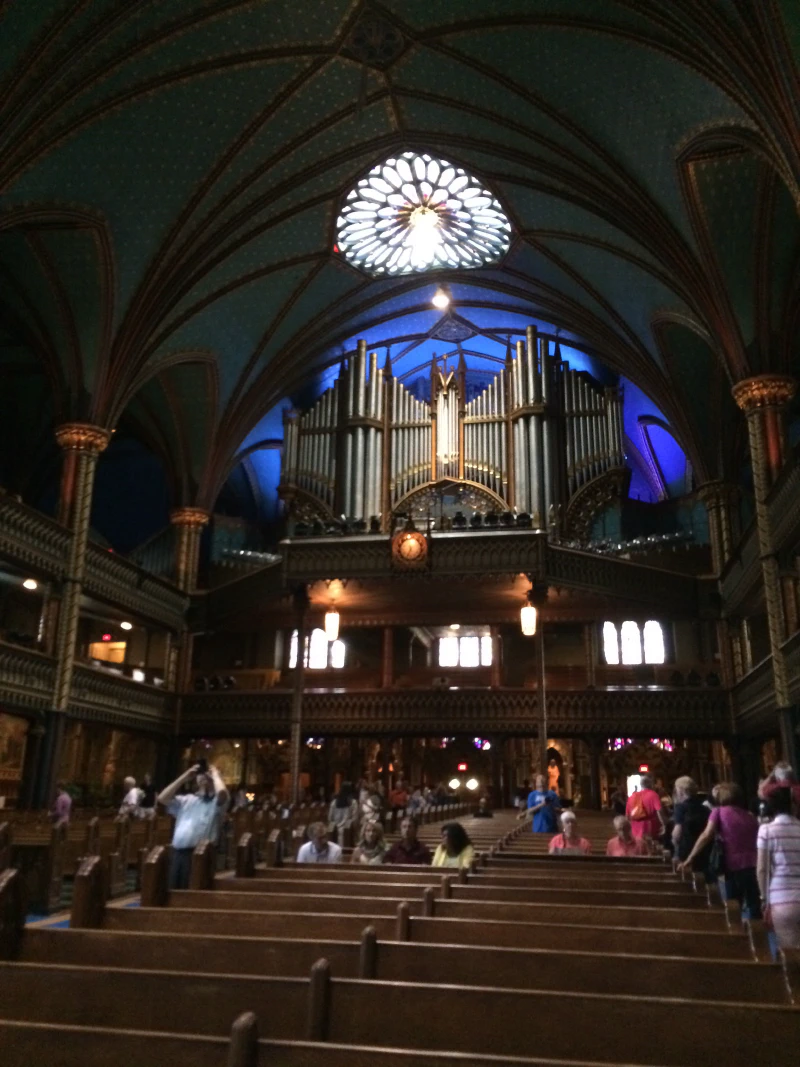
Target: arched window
x,y
630,643
318,653
467,651
610,643
448,651
653,639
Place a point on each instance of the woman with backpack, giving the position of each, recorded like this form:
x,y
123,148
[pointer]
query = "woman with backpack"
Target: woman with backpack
x,y
644,810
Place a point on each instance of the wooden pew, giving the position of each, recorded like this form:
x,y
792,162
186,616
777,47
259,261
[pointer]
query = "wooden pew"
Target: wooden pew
x,y
38,851
409,961
446,1017
449,1017
27,1044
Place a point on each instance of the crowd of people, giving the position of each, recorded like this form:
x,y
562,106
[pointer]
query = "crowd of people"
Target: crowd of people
x,y
756,857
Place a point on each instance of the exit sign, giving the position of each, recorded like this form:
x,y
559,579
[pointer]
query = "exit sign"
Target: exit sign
x,y
462,766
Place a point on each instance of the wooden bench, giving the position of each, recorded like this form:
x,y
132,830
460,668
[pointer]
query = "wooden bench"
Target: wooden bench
x,y
38,851
411,961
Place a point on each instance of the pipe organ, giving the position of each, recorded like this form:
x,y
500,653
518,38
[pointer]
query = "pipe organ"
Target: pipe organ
x,y
533,437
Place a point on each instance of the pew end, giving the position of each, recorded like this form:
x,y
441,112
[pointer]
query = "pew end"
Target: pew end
x,y
204,865
89,896
155,878
243,1049
246,856
12,913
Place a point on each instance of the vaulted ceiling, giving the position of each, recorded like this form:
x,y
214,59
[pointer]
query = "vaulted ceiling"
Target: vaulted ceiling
x,y
171,173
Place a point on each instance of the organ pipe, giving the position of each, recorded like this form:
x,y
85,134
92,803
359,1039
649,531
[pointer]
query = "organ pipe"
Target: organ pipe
x,y
533,435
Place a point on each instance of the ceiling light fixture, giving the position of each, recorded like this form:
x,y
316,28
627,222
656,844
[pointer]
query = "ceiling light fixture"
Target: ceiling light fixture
x,y
528,616
440,299
454,783
30,583
455,625
332,624
126,626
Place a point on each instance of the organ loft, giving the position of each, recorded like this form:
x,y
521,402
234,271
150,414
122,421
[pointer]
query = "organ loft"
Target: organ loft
x,y
398,417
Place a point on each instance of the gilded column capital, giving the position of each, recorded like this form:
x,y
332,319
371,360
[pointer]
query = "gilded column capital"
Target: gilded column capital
x,y
82,437
764,391
197,517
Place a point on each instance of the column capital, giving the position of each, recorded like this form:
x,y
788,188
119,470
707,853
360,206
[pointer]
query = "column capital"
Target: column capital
x,y
764,391
715,491
189,517
82,437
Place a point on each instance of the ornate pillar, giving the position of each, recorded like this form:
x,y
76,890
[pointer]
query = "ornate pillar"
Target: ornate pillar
x,y
189,524
763,400
296,737
496,671
82,444
594,772
718,498
590,653
387,658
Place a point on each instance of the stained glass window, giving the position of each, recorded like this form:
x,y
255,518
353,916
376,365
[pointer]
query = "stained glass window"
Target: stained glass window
x,y
448,652
415,213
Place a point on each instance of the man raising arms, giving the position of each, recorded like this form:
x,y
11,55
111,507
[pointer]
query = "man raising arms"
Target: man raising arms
x,y
198,817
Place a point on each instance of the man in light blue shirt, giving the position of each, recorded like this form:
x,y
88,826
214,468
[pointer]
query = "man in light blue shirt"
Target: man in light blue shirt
x,y
198,817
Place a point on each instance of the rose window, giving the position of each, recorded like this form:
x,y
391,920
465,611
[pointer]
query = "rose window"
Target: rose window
x,y
416,213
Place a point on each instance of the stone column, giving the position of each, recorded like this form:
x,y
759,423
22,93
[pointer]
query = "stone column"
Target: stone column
x,y
718,498
296,737
189,524
82,444
763,400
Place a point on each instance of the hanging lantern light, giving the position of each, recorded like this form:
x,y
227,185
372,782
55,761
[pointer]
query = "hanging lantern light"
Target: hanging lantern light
x,y
527,619
332,624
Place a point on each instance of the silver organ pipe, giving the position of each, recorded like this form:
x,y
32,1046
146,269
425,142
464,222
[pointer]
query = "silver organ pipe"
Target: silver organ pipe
x,y
534,434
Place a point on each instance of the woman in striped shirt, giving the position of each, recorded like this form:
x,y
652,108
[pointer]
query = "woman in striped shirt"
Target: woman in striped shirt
x,y
779,869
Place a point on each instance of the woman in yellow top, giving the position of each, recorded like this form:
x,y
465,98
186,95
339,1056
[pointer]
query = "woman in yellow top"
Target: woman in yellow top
x,y
456,848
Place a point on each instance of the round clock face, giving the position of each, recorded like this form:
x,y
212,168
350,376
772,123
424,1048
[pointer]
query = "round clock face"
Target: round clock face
x,y
410,548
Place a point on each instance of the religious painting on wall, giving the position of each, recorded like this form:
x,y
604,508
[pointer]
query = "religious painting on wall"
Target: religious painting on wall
x,y
13,732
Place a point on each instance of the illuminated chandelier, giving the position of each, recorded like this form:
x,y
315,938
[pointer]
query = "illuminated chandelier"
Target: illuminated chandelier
x,y
416,213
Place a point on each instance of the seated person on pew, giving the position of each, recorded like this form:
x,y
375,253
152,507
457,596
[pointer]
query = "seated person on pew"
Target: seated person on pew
x,y
371,849
569,842
409,849
318,849
624,843
398,798
198,817
456,848
483,810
